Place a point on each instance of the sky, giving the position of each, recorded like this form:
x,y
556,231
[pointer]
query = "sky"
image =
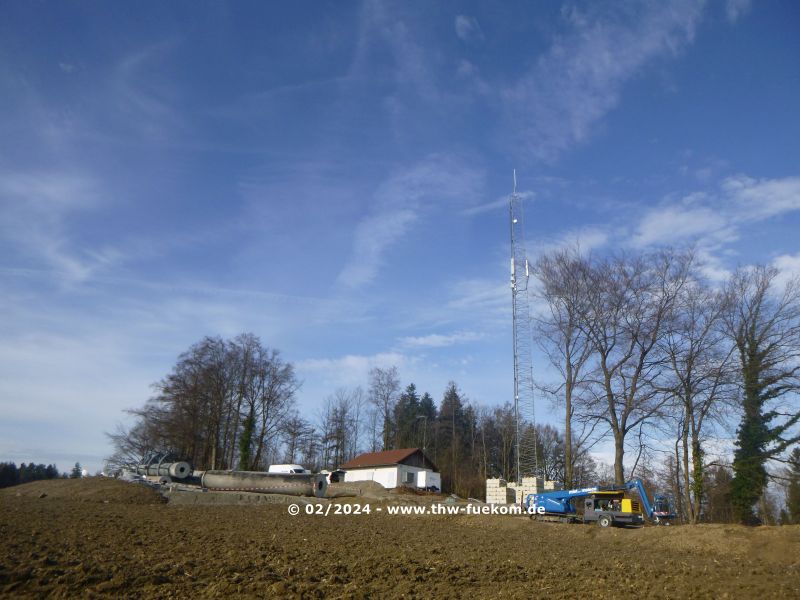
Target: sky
x,y
334,178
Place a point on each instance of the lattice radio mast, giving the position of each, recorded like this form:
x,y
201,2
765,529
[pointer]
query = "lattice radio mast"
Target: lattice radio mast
x,y
527,458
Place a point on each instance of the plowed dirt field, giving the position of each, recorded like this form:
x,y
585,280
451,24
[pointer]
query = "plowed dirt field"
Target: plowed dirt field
x,y
99,537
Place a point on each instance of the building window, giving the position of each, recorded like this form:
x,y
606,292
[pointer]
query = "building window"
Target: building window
x,y
410,477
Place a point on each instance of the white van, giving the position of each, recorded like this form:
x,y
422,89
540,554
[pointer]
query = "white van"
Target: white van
x,y
287,469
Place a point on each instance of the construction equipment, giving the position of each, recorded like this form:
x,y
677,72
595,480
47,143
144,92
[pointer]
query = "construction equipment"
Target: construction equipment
x,y
164,468
291,484
605,505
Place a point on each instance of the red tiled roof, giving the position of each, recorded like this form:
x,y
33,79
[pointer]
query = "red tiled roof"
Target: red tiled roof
x,y
382,459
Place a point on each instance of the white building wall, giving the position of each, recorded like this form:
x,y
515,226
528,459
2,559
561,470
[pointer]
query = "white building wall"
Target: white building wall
x,y
427,479
395,476
420,476
386,476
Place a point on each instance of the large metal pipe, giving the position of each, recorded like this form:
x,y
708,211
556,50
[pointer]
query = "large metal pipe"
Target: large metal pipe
x,y
174,470
292,484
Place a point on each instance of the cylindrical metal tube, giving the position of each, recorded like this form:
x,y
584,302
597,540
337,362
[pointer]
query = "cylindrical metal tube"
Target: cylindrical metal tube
x,y
175,470
179,470
294,484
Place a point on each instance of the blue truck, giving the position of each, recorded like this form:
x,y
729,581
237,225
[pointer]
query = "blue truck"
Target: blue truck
x,y
607,506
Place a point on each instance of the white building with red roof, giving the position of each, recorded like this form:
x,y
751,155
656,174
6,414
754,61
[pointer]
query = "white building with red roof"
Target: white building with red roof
x,y
407,467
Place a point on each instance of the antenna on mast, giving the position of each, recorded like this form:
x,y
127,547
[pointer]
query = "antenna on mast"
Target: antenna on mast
x,y
527,454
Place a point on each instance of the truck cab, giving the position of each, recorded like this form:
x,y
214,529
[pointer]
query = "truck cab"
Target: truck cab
x,y
611,508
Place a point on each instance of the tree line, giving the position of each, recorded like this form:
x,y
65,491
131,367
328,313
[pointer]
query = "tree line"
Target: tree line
x,y
232,404
225,404
11,474
643,352
646,350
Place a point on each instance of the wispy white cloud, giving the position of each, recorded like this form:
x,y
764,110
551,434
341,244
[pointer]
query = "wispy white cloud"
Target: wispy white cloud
x,y
789,267
468,30
716,217
436,340
714,220
674,223
381,28
148,102
580,79
72,361
499,203
67,375
435,183
711,264
399,58
53,192
64,369
349,370
35,207
757,199
487,207
466,69
373,236
735,9
585,239
489,298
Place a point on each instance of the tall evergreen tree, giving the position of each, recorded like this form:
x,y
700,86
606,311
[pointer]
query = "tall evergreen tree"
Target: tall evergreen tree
x,y
406,413
246,442
764,324
451,435
793,489
9,474
427,426
427,406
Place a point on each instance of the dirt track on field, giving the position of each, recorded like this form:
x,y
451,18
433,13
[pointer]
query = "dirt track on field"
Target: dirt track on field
x,y
100,537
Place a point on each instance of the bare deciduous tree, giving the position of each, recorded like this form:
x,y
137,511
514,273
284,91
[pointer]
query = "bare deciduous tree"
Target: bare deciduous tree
x,y
130,446
628,301
384,388
218,391
340,426
295,432
565,343
275,385
699,381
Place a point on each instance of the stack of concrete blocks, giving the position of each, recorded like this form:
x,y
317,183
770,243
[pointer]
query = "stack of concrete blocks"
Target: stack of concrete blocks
x,y
529,485
498,491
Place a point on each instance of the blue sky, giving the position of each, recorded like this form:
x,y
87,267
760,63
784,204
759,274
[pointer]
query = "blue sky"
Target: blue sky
x,y
333,177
